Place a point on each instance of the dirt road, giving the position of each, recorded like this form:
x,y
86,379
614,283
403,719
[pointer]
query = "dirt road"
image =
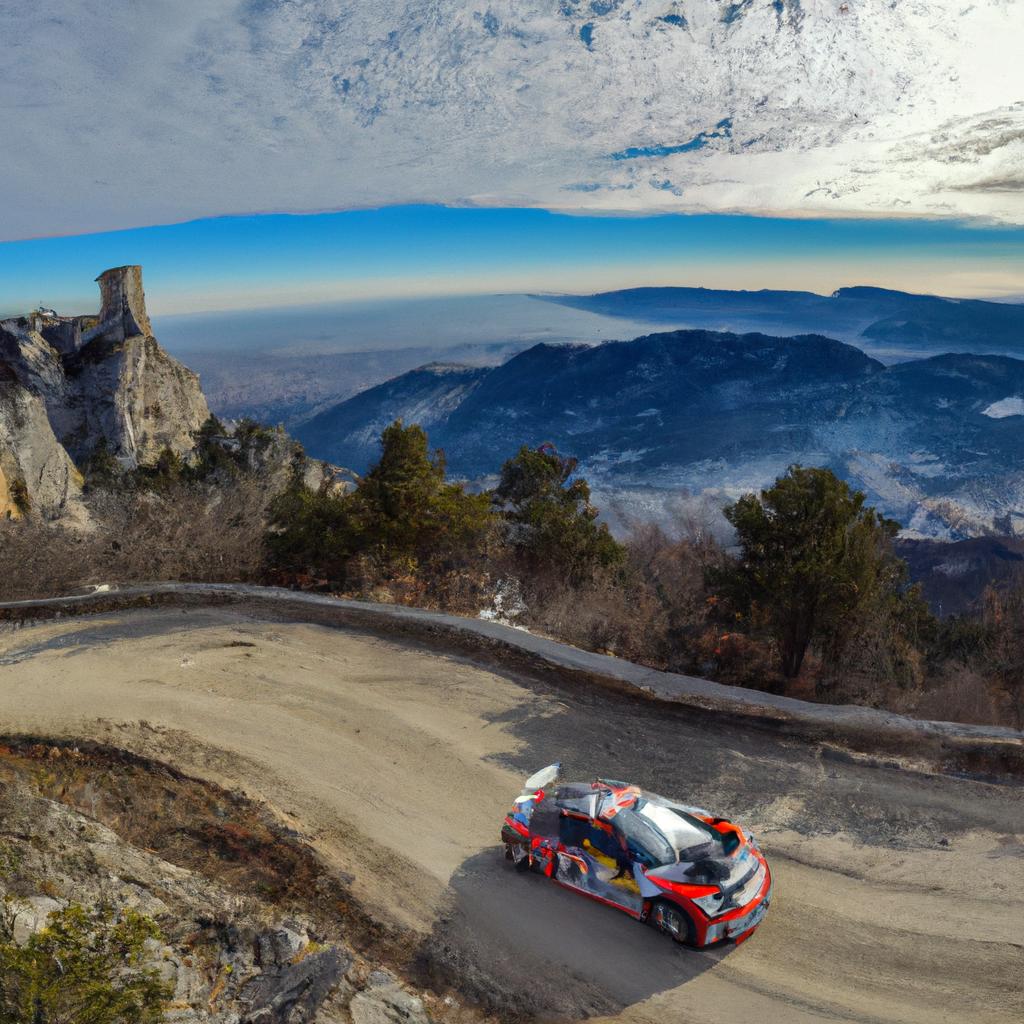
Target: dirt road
x,y
899,897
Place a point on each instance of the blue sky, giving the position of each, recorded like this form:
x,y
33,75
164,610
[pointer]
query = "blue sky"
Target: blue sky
x,y
277,260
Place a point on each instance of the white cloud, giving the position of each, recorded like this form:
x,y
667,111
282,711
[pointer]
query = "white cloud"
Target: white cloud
x,y
118,113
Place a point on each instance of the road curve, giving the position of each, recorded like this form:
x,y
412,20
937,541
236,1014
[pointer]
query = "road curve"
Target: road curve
x,y
899,895
980,751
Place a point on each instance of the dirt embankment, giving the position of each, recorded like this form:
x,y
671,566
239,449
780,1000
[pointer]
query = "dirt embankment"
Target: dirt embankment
x,y
254,925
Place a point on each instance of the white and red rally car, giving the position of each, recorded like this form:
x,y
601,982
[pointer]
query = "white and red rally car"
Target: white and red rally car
x,y
700,878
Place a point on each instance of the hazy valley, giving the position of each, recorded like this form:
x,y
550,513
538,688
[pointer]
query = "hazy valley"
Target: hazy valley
x,y
685,421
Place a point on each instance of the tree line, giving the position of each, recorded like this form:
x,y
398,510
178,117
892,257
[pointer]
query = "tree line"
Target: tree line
x,y
811,599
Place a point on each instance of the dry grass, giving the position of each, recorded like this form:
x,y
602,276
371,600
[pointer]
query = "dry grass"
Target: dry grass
x,y
187,532
959,695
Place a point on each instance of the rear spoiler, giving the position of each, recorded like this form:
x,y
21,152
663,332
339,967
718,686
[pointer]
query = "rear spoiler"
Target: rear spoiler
x,y
542,778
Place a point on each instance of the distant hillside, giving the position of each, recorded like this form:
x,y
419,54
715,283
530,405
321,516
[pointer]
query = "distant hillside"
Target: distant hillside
x,y
426,396
935,443
954,576
883,321
290,388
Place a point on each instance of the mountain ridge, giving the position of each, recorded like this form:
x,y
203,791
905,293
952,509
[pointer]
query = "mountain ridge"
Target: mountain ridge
x,y
902,324
715,414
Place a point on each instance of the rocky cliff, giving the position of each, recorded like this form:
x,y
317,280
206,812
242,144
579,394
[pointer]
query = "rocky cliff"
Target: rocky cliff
x,y
75,384
36,473
253,928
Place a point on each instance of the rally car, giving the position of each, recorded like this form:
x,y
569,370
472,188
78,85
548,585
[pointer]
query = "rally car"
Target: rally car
x,y
699,878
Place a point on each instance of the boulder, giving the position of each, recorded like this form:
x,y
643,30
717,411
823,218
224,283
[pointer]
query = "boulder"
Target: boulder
x,y
384,1001
30,916
291,992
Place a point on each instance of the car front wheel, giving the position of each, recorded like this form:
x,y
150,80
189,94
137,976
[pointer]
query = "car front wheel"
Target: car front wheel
x,y
671,920
519,855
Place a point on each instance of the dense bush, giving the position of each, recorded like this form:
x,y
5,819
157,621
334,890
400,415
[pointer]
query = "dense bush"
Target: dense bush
x,y
403,522
83,966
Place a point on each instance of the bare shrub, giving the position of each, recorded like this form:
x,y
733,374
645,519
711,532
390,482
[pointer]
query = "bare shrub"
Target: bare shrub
x,y
653,610
1003,618
184,532
878,665
601,616
39,559
672,573
188,532
960,695
736,659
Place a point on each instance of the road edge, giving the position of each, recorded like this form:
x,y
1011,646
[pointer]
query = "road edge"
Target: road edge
x,y
988,752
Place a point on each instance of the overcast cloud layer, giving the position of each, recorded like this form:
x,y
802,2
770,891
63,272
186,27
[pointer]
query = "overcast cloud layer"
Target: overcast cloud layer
x,y
119,113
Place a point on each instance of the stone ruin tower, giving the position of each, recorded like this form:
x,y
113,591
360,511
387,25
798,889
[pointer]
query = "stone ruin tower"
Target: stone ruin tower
x,y
122,304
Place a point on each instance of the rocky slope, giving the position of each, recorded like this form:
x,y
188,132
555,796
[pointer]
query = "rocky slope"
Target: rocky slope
x,y
954,577
254,929
71,386
935,442
428,396
36,473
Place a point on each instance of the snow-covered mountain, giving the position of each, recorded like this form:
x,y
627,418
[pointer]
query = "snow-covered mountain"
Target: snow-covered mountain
x,y
705,417
779,106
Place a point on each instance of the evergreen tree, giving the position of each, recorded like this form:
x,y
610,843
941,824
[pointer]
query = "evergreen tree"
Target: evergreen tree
x,y
814,562
85,965
551,525
403,515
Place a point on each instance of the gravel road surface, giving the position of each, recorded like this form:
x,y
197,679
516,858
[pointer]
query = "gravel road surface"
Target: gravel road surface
x,y
898,896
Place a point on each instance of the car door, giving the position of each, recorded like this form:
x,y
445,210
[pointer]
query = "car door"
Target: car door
x,y
593,860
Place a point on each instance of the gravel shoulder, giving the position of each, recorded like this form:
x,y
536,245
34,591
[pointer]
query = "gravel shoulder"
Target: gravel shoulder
x,y
899,895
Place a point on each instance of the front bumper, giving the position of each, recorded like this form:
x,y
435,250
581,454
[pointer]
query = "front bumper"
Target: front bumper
x,y
740,923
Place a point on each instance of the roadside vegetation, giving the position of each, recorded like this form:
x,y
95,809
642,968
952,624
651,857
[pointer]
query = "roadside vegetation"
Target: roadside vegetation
x,y
84,965
809,601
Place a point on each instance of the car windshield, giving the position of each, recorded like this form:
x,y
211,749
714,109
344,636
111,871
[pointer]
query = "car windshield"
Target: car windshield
x,y
684,835
644,840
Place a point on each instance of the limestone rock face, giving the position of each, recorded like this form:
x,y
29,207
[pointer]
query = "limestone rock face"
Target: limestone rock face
x,y
132,396
36,473
122,305
227,955
103,379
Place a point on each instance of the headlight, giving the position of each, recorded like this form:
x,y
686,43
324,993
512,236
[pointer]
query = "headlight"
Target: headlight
x,y
711,905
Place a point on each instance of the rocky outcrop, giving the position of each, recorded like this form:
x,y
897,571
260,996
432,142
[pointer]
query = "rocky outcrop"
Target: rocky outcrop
x,y
36,474
80,387
122,305
103,380
229,950
132,398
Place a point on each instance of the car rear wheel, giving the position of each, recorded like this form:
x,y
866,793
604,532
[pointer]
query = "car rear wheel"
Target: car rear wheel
x,y
671,920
